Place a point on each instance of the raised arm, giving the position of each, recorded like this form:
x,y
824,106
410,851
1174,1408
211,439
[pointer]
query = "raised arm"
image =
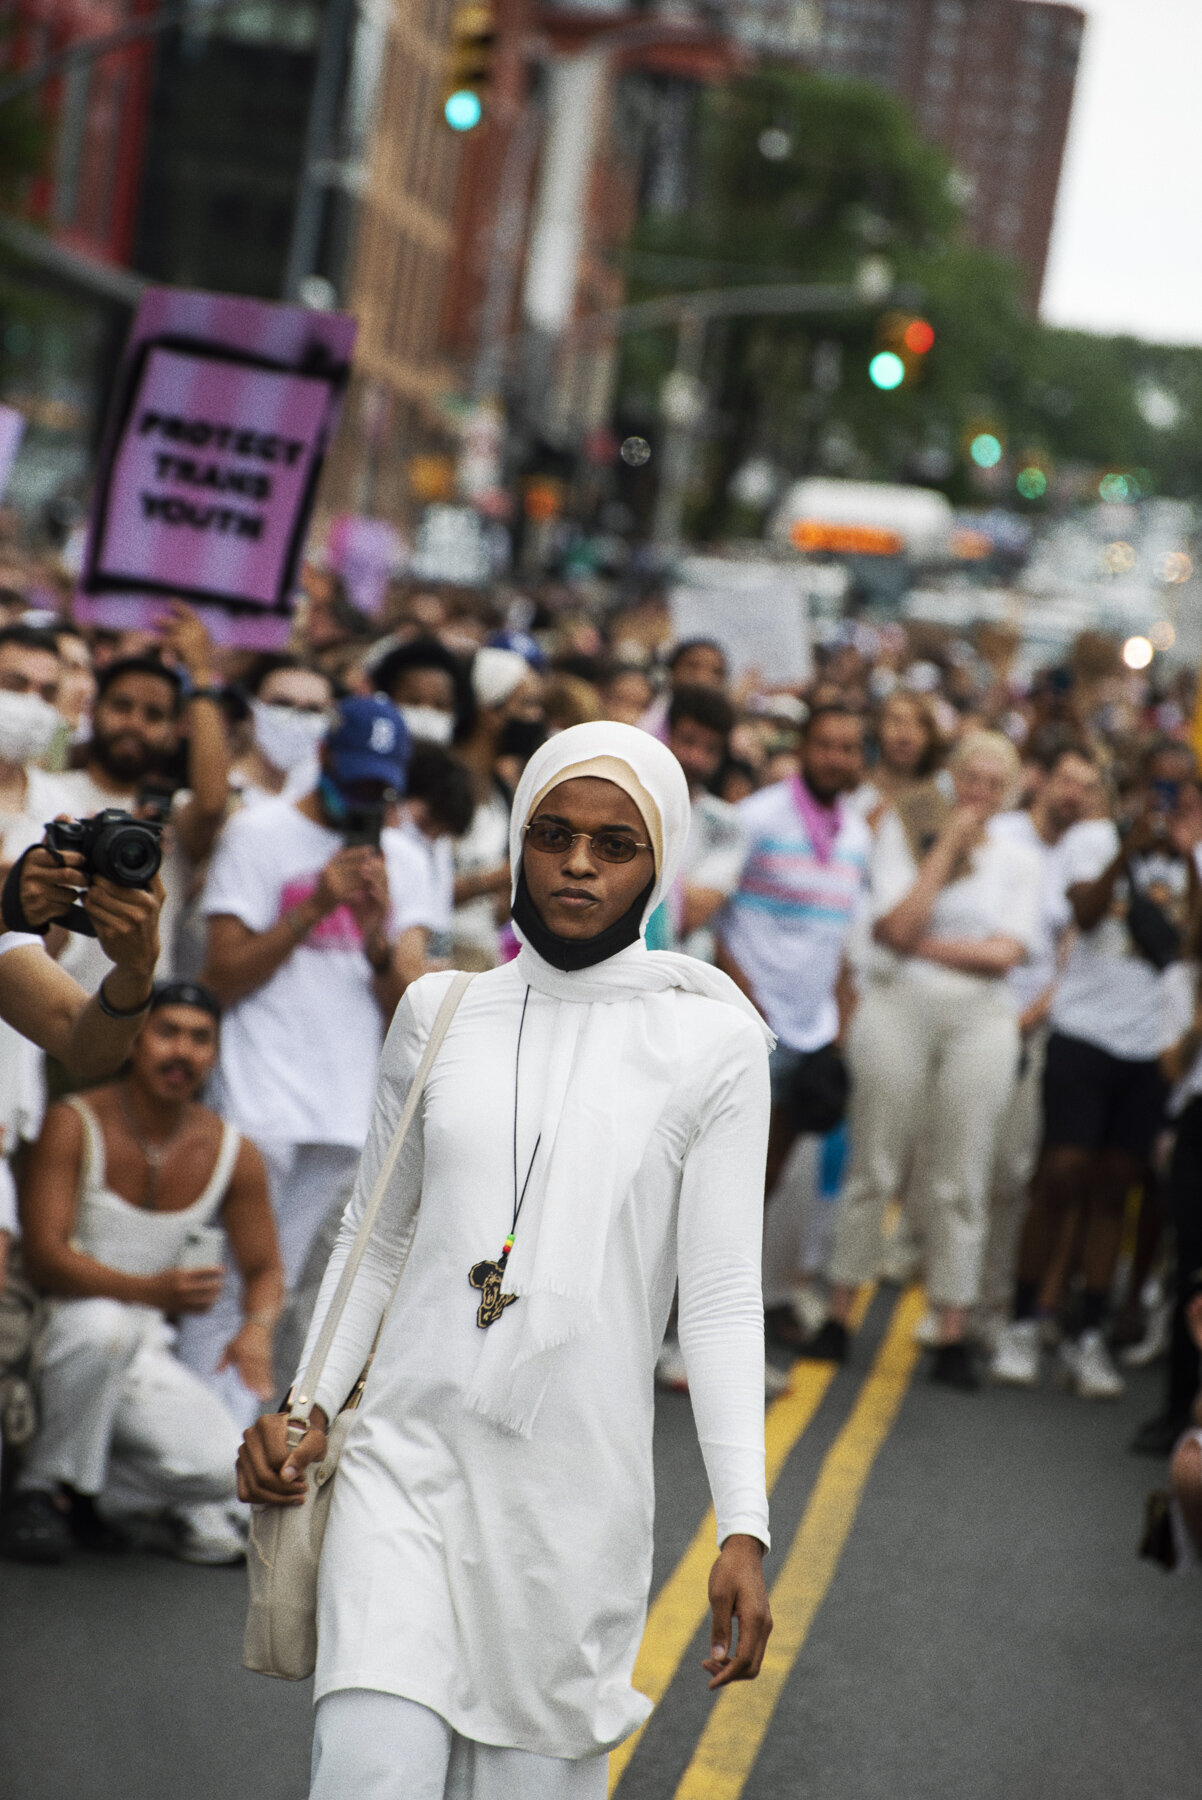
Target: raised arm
x,y
903,925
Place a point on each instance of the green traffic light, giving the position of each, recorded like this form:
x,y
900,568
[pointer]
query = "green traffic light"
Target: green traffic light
x,y
463,110
886,370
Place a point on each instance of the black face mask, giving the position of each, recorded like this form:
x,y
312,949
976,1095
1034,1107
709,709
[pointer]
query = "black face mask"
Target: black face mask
x,y
576,953
521,737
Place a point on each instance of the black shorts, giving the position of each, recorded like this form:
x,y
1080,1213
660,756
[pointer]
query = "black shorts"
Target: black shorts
x,y
1095,1101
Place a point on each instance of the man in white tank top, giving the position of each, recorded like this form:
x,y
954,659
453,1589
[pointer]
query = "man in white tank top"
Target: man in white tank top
x,y
131,1197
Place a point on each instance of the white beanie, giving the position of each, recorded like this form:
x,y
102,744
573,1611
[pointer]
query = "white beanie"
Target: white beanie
x,y
495,674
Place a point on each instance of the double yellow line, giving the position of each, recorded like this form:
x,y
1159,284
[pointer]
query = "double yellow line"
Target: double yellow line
x,y
741,1715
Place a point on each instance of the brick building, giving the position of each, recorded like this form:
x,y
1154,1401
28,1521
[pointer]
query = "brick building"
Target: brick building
x,y
989,80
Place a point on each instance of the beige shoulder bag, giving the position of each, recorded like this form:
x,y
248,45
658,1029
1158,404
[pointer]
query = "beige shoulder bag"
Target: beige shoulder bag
x,y
285,1541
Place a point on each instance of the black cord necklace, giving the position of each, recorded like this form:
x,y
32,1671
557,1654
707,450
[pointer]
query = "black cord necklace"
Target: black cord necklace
x,y
489,1277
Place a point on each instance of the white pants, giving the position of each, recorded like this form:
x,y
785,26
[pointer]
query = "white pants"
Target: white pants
x,y
373,1746
305,1182
932,1064
121,1418
1015,1151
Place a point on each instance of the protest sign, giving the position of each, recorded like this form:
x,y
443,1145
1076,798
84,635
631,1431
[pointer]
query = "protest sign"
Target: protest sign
x,y
367,554
12,427
757,611
223,412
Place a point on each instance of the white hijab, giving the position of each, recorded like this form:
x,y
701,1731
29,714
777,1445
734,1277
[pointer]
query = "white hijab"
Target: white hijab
x,y
615,1056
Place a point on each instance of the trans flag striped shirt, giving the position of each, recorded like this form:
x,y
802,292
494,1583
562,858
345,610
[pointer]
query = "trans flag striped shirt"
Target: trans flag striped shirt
x,y
787,923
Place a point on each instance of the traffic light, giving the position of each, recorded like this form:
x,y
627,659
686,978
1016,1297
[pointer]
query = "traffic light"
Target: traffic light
x,y
469,66
902,340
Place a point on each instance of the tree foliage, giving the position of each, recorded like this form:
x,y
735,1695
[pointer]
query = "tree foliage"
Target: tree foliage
x,y
843,175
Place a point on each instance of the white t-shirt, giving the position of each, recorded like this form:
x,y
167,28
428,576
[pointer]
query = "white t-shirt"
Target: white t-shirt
x,y
788,922
714,856
298,1056
483,845
1109,995
1180,993
1032,979
1000,895
437,857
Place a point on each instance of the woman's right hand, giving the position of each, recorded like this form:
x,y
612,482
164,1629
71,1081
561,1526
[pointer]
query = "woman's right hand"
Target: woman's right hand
x,y
962,830
269,1473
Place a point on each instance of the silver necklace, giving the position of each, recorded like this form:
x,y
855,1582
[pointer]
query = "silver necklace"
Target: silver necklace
x,y
154,1155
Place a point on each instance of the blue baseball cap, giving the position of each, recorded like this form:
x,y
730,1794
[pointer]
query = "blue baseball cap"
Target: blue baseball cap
x,y
368,741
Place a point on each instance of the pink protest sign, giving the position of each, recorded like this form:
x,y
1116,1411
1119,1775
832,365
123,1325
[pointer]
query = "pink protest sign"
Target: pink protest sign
x,y
223,413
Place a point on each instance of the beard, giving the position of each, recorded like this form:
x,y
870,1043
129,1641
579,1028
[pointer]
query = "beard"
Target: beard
x,y
123,765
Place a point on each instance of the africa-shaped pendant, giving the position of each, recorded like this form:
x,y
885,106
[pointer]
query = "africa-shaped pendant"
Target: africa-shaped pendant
x,y
488,1277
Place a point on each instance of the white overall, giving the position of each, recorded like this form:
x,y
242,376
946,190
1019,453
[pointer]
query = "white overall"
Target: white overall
x,y
121,1418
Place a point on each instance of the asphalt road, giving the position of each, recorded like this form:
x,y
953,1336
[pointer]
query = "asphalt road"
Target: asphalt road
x,y
986,1632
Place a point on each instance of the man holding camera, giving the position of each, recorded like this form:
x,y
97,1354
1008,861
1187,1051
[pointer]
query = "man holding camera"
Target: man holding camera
x,y
306,922
142,707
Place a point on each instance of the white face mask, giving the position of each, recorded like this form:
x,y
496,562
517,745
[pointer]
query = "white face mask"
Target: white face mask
x,y
27,725
429,724
284,735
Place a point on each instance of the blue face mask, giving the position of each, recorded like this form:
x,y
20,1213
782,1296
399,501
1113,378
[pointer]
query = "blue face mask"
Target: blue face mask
x,y
332,801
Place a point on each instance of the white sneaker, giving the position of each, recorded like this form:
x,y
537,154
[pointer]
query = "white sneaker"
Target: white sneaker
x,y
926,1332
1016,1357
1088,1369
1155,1341
670,1371
210,1534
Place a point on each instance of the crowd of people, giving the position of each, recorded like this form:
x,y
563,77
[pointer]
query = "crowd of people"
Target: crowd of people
x,y
965,900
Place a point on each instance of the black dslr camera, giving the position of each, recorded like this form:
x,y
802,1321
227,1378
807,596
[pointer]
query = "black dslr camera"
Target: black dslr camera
x,y
125,850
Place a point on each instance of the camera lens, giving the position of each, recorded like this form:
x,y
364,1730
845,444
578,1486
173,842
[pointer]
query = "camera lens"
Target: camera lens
x,y
127,853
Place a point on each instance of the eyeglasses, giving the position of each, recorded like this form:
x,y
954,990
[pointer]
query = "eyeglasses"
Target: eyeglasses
x,y
550,839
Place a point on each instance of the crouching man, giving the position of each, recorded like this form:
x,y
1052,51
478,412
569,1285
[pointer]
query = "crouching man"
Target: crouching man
x,y
131,1196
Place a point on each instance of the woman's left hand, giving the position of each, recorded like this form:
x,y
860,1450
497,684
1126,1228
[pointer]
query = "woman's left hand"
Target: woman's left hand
x,y
737,1593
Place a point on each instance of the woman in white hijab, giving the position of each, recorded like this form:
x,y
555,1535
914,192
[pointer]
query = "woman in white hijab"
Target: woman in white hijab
x,y
601,1111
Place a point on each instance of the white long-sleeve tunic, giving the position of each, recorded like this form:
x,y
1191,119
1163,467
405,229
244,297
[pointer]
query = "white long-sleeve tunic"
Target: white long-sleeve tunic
x,y
503,1580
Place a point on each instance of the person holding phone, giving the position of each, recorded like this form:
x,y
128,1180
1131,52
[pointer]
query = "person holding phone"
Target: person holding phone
x,y
131,1196
1134,894
311,903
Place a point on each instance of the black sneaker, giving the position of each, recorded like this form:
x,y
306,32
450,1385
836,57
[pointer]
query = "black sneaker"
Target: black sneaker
x,y
953,1368
832,1343
783,1328
91,1530
34,1530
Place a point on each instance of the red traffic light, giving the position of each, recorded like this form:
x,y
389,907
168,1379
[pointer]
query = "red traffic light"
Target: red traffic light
x,y
918,337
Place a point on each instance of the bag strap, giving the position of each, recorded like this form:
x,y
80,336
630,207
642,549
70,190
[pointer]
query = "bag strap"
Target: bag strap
x,y
301,1405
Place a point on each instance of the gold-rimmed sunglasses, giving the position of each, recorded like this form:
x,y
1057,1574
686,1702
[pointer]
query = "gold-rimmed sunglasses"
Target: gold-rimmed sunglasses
x,y
550,839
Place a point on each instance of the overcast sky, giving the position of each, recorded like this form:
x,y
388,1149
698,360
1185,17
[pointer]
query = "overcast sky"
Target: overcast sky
x,y
1127,244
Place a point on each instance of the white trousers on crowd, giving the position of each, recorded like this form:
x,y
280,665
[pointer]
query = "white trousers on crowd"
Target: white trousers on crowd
x,y
373,1746
932,1065
305,1181
1020,1130
121,1418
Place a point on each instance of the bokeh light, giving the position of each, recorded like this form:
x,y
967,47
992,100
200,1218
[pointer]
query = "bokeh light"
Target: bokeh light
x,y
986,450
1031,483
1118,558
1162,635
635,451
1114,486
774,144
1174,567
1138,652
463,110
886,370
918,337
